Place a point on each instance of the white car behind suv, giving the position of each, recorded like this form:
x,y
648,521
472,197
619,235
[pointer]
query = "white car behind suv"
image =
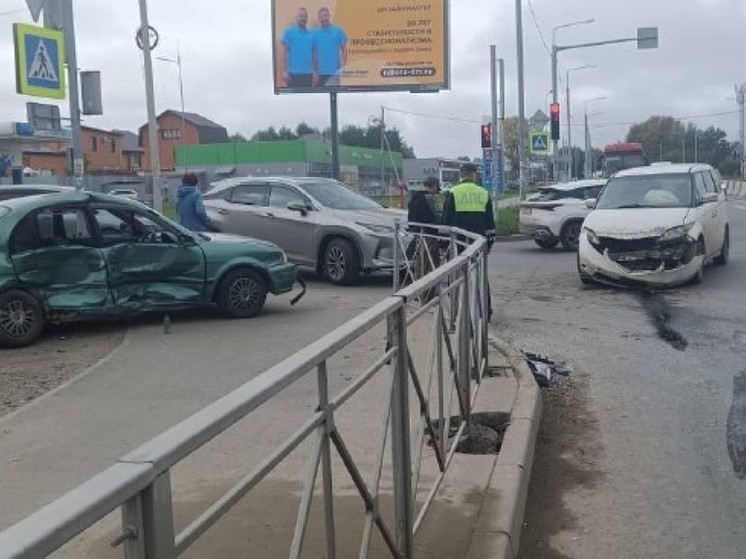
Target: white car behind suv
x,y
656,226
556,213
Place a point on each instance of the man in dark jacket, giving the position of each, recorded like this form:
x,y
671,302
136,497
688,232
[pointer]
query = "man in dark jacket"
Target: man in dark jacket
x,y
192,214
422,210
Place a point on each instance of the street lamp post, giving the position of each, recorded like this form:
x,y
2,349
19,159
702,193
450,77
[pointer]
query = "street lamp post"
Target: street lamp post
x,y
569,116
555,92
647,38
153,143
177,61
588,155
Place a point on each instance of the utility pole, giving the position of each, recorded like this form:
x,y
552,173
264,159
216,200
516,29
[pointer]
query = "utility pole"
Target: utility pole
x,y
521,100
741,100
58,14
383,148
493,143
153,143
588,154
501,64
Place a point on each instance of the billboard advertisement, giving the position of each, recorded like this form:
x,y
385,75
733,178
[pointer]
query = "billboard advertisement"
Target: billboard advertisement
x,y
354,45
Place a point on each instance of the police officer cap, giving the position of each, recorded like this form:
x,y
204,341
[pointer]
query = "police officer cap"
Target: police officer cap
x,y
468,168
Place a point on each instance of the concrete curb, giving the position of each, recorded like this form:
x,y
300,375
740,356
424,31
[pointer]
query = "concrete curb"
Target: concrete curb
x,y
498,527
512,238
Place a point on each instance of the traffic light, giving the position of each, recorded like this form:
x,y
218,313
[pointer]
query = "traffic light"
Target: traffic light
x,y
554,114
486,135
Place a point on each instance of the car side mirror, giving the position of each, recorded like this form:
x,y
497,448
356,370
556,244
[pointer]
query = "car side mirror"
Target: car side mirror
x,y
45,225
186,240
590,203
297,207
710,197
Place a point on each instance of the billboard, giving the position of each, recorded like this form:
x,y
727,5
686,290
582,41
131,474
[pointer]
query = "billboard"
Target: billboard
x,y
349,45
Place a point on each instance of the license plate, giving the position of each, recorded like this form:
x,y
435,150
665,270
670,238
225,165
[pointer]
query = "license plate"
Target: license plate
x,y
526,211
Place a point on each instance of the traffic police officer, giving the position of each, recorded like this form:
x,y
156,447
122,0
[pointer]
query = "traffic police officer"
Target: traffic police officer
x,y
468,206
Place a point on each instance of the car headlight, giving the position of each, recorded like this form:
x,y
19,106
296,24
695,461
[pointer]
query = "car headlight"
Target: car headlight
x,y
677,232
592,237
377,228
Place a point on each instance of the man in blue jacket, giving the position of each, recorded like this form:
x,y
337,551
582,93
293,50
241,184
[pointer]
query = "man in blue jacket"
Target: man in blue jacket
x,y
192,214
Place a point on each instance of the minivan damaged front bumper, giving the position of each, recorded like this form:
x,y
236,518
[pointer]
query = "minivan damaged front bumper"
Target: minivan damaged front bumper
x,y
647,267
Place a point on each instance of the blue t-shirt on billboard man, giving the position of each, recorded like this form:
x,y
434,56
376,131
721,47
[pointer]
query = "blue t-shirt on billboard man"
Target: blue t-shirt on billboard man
x,y
297,42
329,50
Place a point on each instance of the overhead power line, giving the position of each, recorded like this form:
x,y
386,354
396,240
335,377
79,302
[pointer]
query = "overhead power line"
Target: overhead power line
x,y
439,117
538,28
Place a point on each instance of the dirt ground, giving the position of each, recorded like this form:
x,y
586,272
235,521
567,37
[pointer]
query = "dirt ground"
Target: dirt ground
x,y
567,452
62,353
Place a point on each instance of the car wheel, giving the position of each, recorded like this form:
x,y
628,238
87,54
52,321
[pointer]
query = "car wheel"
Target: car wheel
x,y
341,263
21,319
724,255
546,243
570,235
242,293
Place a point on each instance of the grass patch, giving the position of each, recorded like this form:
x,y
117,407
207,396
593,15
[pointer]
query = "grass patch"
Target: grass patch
x,y
507,221
169,210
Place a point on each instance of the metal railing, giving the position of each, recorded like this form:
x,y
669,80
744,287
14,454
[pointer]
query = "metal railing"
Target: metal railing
x,y
453,296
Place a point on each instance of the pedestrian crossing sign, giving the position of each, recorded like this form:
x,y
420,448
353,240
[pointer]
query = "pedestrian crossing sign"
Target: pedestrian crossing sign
x,y
539,143
40,61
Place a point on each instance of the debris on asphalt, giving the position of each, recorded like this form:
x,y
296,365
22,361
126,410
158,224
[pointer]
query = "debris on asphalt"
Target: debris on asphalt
x,y
544,368
736,426
660,313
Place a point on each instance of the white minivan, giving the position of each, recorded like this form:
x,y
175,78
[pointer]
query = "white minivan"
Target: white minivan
x,y
655,226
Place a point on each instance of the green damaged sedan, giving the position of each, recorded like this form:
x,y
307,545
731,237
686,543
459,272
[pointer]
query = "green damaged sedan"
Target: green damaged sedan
x,y
78,256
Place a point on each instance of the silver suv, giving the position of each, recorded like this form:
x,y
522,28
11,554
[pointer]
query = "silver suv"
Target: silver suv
x,y
319,223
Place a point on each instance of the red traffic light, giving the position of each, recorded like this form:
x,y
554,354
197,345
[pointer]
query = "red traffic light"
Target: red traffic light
x,y
486,135
554,109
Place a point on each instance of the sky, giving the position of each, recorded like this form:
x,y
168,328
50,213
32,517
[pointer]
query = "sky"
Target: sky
x,y
226,50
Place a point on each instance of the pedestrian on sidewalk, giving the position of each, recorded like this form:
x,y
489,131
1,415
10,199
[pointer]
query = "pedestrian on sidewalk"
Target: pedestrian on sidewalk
x,y
468,206
192,214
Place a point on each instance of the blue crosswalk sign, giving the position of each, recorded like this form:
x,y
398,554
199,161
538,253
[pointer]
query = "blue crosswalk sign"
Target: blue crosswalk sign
x,y
539,143
40,59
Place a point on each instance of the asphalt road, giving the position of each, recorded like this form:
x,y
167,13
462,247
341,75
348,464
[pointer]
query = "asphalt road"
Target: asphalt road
x,y
634,454
155,380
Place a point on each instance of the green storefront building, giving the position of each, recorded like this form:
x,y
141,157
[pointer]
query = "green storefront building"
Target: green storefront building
x,y
363,168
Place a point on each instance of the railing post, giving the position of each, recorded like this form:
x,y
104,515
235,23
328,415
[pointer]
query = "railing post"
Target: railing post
x,y
439,333
464,350
400,441
132,529
158,518
397,255
326,461
486,306
452,295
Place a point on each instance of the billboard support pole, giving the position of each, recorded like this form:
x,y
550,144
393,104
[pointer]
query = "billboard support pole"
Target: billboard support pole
x,y
495,151
335,134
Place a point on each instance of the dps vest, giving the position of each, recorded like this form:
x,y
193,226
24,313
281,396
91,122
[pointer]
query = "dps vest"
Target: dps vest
x,y
470,198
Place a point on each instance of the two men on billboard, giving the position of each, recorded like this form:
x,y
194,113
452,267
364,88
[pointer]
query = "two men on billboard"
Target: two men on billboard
x,y
313,57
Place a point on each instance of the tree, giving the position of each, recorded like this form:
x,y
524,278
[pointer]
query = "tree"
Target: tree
x,y
510,129
370,137
356,136
303,129
268,135
238,138
666,139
